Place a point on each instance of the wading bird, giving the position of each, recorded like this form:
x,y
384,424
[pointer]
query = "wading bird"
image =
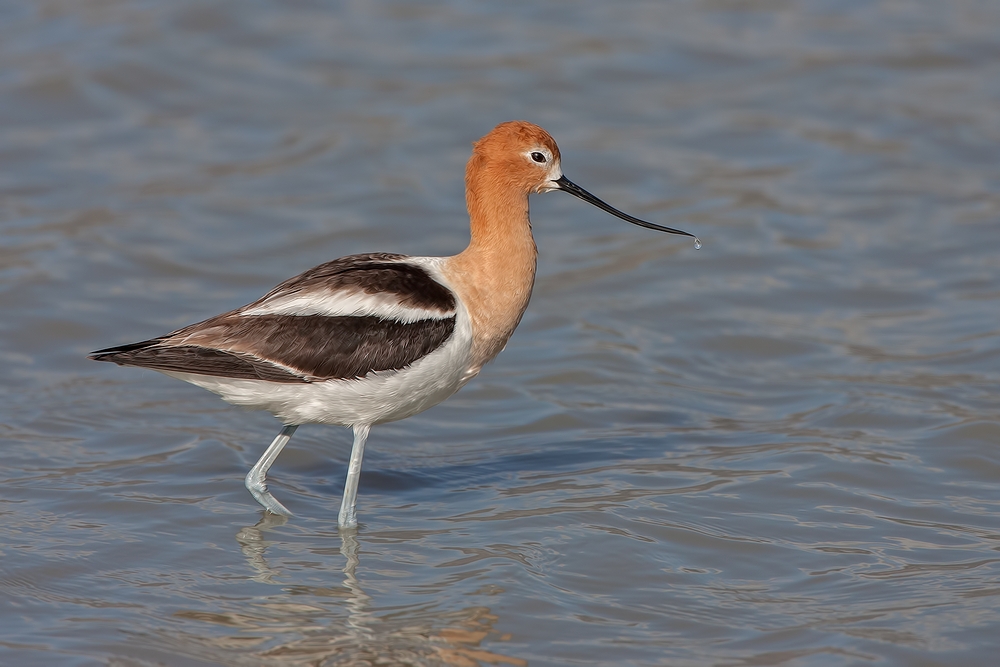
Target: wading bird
x,y
368,339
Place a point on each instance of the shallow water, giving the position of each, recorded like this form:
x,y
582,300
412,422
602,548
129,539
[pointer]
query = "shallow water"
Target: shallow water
x,y
781,449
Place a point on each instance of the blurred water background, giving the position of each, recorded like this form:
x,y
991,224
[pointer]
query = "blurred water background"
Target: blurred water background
x,y
781,449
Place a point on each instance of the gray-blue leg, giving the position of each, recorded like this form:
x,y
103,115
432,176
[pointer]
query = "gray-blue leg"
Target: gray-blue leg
x,y
255,481
348,517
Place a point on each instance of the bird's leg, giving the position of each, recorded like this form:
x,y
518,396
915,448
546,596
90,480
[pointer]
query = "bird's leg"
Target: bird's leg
x,y
348,518
255,481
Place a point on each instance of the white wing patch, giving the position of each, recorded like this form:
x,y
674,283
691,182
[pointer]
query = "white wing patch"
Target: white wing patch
x,y
344,302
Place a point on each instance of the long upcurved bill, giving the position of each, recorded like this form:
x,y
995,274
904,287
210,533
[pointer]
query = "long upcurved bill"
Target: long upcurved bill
x,y
569,186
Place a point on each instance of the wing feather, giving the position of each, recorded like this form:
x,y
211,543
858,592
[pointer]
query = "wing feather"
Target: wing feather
x,y
341,320
289,348
377,284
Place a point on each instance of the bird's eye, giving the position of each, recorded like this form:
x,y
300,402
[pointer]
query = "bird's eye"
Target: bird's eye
x,y
538,157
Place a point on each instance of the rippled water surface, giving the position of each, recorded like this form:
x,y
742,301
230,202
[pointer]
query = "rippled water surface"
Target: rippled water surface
x,y
781,449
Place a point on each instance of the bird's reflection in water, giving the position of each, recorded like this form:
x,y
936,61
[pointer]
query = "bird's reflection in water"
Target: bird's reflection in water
x,y
253,544
317,633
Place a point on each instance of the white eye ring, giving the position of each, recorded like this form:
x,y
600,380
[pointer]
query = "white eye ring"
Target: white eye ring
x,y
538,157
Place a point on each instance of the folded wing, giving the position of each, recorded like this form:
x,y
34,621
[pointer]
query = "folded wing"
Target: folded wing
x,y
341,320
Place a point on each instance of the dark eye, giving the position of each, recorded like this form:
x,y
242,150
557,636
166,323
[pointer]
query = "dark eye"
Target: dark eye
x,y
538,157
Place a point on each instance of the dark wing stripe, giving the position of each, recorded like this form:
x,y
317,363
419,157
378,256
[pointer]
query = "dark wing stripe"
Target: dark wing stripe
x,y
338,347
311,347
199,360
374,274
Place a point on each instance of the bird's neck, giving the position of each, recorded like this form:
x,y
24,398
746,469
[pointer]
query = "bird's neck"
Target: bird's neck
x,y
495,274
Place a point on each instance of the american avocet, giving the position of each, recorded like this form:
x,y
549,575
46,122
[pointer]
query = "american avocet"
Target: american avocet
x,y
368,339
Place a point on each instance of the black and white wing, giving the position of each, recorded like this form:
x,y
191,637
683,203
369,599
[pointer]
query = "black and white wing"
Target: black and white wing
x,y
340,320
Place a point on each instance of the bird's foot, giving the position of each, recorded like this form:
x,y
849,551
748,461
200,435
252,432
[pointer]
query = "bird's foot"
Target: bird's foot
x,y
258,489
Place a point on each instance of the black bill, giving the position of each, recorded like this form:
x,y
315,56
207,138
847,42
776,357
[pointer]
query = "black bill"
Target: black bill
x,y
569,186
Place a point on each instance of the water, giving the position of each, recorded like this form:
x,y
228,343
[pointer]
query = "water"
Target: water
x,y
780,450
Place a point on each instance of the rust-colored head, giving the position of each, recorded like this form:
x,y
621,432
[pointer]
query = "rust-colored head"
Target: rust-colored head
x,y
517,158
515,155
